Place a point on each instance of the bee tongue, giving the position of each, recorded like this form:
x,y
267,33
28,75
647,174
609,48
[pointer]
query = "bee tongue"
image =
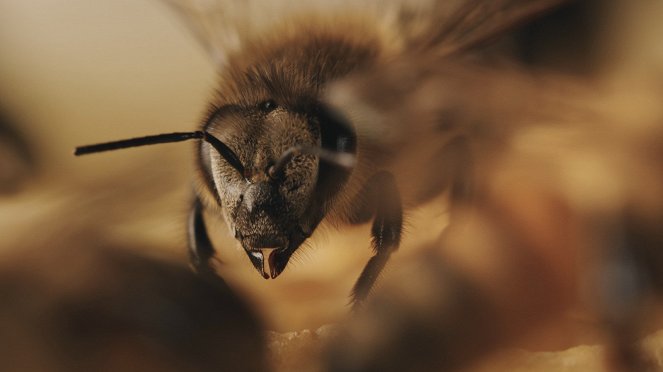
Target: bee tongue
x,y
257,259
272,264
278,259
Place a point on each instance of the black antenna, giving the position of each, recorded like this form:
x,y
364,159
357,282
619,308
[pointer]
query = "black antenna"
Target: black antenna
x,y
134,142
221,147
340,159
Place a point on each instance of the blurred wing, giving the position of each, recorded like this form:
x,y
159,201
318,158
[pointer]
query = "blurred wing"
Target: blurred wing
x,y
472,23
221,26
216,24
401,91
442,27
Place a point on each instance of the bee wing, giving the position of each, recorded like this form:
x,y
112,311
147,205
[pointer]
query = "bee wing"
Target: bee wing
x,y
403,88
471,23
221,26
446,27
213,23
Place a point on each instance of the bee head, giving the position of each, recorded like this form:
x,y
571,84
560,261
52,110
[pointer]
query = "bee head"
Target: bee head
x,y
275,197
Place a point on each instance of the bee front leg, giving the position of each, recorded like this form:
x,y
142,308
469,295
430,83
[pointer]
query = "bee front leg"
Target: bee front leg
x,y
385,200
200,245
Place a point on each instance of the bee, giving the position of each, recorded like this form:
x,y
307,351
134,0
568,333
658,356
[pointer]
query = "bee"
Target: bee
x,y
276,155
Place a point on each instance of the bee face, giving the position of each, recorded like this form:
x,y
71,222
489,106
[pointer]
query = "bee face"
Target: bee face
x,y
264,210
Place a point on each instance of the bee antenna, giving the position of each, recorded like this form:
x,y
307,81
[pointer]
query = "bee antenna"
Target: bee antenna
x,y
221,147
340,159
138,141
224,151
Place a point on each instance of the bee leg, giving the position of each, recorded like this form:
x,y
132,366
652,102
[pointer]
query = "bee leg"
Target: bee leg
x,y
200,246
386,231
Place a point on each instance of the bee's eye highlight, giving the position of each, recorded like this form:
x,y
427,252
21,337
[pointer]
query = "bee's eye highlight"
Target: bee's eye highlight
x,y
268,106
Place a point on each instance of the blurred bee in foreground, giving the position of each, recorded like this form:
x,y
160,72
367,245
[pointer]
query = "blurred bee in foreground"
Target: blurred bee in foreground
x,y
275,158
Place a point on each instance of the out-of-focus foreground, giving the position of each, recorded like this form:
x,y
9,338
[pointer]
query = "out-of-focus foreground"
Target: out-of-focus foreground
x,y
562,248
